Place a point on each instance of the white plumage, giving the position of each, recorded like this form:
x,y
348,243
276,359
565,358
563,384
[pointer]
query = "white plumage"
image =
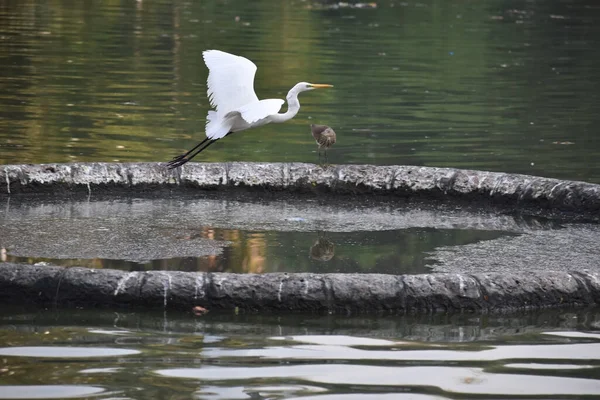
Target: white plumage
x,y
230,90
254,112
230,80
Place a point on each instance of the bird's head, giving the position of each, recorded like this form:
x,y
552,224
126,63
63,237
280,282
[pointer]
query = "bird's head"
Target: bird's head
x,y
305,86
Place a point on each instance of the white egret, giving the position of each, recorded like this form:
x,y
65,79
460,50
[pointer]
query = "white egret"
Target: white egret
x,y
236,107
324,136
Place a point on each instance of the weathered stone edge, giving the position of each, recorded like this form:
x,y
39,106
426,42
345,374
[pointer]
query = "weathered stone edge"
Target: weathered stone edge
x,y
299,292
512,190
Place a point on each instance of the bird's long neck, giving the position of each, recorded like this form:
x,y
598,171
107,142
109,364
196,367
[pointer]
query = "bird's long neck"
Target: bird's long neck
x,y
292,110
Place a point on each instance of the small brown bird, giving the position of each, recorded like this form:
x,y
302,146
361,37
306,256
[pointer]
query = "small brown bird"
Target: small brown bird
x,y
324,136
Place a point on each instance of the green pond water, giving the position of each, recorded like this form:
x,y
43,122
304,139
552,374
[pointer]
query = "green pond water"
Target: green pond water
x,y
497,85
123,355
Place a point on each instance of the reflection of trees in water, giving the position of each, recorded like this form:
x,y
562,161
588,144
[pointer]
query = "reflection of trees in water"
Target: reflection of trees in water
x,y
254,254
246,252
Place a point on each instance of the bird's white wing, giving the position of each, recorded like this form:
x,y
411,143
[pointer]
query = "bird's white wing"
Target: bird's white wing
x,y
230,80
253,112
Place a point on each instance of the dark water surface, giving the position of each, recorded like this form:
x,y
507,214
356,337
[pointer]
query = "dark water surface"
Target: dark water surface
x,y
497,85
119,355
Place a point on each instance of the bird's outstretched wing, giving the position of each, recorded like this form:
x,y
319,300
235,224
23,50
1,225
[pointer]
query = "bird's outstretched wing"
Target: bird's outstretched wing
x,y
254,112
230,80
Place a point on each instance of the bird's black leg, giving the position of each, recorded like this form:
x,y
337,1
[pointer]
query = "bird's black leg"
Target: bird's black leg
x,y
183,156
182,159
325,156
202,149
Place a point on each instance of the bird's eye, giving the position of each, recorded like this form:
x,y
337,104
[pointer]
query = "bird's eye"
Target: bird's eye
x,y
307,86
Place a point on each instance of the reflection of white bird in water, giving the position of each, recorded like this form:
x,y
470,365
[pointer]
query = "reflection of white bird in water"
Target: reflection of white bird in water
x,y
236,107
324,136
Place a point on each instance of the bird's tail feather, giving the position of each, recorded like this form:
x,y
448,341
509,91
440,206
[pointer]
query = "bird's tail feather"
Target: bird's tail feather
x,y
217,127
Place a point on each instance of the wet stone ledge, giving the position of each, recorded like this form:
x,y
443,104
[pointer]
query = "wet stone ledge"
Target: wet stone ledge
x,y
530,194
47,285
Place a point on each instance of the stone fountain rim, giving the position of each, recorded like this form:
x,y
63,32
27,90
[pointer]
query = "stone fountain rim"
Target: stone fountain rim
x,y
526,194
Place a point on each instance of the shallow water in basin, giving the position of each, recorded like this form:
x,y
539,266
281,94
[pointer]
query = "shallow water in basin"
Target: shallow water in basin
x,y
119,355
257,233
392,252
241,234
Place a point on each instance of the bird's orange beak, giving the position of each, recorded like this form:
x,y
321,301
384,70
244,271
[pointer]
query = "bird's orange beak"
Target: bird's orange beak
x,y
320,85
